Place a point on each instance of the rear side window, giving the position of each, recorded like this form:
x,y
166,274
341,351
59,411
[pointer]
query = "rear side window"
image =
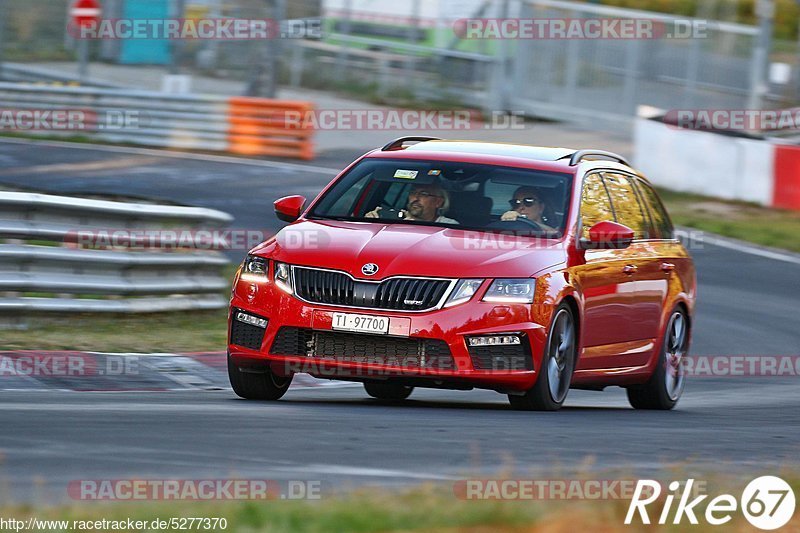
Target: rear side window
x,y
595,204
627,206
661,222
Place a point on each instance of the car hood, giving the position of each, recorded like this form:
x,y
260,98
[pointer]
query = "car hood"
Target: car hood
x,y
405,249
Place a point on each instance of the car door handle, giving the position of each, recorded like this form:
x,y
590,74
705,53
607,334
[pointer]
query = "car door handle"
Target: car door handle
x,y
667,267
630,269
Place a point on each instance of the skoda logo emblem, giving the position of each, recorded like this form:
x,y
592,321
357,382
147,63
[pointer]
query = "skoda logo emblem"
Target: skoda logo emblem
x,y
370,269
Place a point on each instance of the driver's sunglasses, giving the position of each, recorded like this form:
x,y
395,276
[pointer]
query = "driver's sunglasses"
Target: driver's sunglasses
x,y
423,194
527,201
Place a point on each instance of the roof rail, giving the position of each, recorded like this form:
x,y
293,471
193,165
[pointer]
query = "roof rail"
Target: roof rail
x,y
397,144
578,156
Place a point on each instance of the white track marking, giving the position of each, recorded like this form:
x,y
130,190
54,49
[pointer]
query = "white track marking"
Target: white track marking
x,y
746,248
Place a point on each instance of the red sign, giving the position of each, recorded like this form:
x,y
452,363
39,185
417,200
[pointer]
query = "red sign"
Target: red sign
x,y
85,12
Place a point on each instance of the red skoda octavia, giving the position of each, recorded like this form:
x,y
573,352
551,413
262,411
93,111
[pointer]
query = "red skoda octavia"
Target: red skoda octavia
x,y
456,264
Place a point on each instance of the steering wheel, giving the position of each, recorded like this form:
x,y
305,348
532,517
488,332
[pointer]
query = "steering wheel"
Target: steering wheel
x,y
388,212
527,221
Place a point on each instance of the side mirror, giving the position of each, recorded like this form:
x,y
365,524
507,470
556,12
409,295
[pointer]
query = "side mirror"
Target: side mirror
x,y
608,235
289,208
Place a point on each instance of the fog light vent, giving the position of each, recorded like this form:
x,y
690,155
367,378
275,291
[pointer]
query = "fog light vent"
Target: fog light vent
x,y
251,319
247,330
494,340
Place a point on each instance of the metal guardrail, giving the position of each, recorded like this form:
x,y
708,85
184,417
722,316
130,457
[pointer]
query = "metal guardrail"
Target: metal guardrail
x,y
17,72
240,125
44,268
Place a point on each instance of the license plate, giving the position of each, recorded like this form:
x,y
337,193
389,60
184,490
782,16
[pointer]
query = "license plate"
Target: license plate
x,y
361,323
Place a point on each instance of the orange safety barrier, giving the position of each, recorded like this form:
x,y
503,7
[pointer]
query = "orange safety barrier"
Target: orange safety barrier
x,y
262,126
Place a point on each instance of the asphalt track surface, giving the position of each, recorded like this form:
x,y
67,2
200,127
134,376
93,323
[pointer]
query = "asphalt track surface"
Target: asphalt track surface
x,y
748,305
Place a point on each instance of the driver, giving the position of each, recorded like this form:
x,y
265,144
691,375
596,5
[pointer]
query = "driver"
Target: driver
x,y
425,203
527,203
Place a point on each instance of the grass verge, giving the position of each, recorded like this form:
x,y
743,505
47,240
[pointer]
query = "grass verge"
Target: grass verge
x,y
194,331
765,226
422,508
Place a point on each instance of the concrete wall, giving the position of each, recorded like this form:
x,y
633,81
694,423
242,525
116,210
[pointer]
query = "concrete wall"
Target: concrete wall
x,y
722,166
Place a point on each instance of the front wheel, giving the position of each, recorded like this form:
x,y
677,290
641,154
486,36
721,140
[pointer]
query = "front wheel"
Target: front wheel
x,y
555,373
261,385
665,386
387,391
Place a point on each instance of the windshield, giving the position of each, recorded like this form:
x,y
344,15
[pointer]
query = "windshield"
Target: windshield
x,y
450,194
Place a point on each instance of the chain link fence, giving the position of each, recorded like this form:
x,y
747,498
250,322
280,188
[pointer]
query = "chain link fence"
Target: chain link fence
x,y
612,77
406,52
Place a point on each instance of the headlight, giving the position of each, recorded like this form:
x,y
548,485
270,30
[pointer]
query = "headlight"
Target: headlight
x,y
283,277
513,290
465,289
254,268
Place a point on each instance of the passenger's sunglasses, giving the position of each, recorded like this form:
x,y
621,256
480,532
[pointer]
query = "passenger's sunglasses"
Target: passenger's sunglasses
x,y
527,201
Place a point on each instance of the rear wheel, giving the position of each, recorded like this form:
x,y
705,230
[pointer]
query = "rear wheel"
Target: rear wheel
x,y
387,391
665,386
555,374
257,385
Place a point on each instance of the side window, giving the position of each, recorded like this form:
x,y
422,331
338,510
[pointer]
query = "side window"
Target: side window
x,y
344,205
394,193
381,194
500,193
595,204
626,204
661,221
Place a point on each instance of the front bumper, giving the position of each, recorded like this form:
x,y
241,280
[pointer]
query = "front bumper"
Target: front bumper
x,y
445,329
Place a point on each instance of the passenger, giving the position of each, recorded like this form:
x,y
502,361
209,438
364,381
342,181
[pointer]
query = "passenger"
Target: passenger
x,y
527,203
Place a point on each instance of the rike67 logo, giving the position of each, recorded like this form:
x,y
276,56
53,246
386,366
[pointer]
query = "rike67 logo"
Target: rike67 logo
x,y
767,502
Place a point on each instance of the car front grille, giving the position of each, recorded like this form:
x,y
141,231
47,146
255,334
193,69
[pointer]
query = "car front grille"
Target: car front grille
x,y
400,294
502,357
245,335
362,348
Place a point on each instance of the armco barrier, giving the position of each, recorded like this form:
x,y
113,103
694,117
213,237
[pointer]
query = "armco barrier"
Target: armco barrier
x,y
240,125
729,167
19,72
43,268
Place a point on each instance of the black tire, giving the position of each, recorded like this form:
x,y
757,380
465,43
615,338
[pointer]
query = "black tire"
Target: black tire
x,y
663,390
387,391
540,397
257,386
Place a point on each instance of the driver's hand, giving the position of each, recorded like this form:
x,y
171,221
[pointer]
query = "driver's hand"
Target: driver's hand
x,y
375,213
509,215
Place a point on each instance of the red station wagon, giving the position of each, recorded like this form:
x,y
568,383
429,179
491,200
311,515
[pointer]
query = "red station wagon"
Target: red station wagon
x,y
461,264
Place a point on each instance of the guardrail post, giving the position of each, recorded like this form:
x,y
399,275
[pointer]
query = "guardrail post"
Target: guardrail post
x,y
3,17
765,10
